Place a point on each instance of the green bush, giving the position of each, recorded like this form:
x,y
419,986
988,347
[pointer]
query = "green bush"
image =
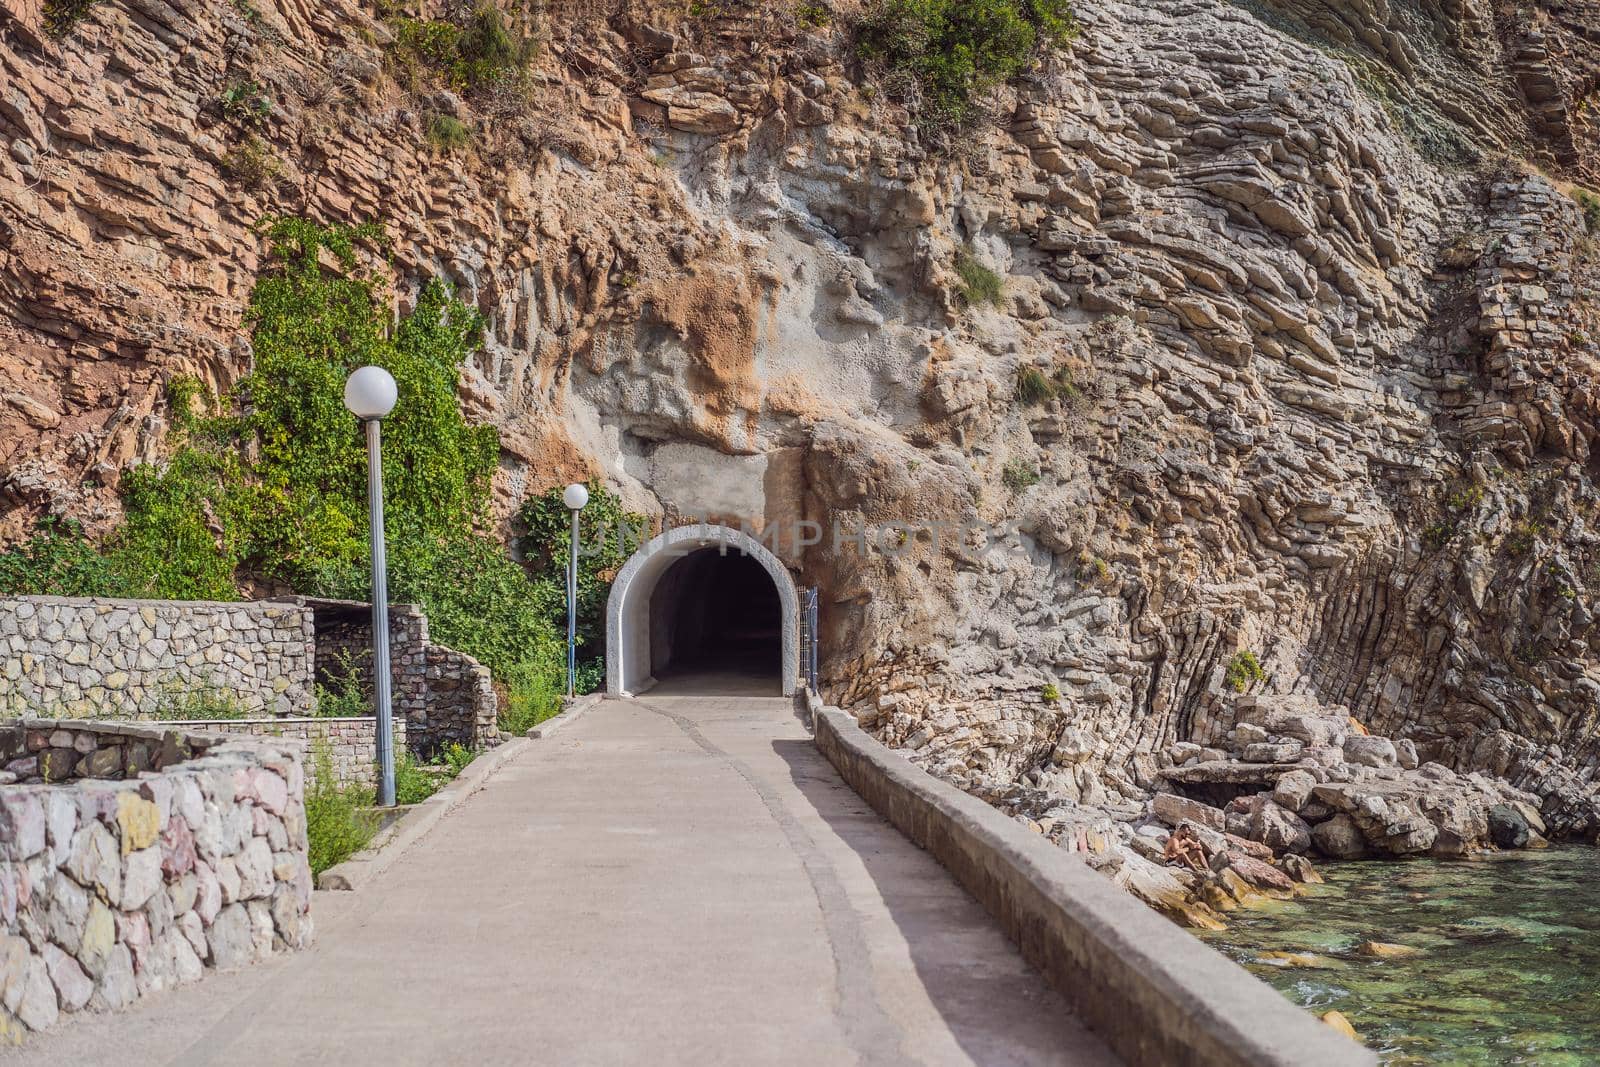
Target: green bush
x,y
1466,498
456,758
62,16
1049,692
812,16
534,689
1590,202
955,50
1524,536
344,698
339,822
413,783
1019,474
477,51
252,163
979,284
1244,670
608,535
58,560
448,134
1033,387
269,483
245,103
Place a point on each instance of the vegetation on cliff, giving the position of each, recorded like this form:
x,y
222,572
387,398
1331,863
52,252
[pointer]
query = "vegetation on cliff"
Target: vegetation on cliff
x,y
266,487
947,53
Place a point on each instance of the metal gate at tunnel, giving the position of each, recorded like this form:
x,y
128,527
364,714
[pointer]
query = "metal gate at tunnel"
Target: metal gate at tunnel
x,y
808,636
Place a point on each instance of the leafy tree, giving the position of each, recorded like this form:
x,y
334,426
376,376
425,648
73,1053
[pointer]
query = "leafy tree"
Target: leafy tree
x,y
608,534
269,483
57,560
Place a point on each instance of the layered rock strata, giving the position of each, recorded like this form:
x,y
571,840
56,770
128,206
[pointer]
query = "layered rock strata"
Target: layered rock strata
x,y
1307,286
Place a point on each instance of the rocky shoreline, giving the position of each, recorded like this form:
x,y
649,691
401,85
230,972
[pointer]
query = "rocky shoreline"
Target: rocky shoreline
x,y
1292,782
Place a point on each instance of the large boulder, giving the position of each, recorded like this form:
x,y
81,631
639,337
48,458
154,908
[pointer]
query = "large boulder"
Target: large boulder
x,y
1294,790
1339,838
1370,751
1311,730
1403,830
1279,828
1257,872
1508,827
1173,810
1167,889
1273,752
1460,818
1248,733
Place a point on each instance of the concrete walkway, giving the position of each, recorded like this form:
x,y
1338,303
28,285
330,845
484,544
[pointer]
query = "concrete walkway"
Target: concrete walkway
x,y
671,880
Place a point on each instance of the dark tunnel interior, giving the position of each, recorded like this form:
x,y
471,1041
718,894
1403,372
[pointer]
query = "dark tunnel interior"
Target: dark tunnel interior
x,y
716,612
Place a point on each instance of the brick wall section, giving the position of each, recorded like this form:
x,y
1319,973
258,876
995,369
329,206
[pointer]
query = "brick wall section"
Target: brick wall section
x,y
112,890
352,743
117,659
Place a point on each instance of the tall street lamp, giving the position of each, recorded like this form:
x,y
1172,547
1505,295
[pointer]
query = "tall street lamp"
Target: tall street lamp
x,y
370,394
575,497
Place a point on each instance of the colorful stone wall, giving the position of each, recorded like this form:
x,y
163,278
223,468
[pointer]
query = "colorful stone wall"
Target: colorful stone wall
x,y
111,890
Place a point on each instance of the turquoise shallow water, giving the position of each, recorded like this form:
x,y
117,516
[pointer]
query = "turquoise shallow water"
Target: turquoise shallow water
x,y
1508,969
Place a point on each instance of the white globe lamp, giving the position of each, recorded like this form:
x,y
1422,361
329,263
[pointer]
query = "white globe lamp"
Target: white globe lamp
x,y
370,393
575,496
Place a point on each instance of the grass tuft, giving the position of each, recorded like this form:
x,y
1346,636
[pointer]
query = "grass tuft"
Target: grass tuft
x,y
979,284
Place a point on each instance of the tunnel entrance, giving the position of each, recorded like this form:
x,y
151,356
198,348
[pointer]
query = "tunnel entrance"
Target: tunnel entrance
x,y
703,609
712,613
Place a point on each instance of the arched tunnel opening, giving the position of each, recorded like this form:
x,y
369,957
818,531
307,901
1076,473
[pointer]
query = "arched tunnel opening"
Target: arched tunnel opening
x,y
715,617
703,610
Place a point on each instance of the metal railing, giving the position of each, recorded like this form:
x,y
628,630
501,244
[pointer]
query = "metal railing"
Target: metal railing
x,y
808,636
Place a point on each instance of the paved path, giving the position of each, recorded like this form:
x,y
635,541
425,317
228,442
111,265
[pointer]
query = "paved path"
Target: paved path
x,y
672,880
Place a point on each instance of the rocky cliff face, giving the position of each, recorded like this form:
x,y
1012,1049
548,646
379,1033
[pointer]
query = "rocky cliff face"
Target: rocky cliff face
x,y
1305,286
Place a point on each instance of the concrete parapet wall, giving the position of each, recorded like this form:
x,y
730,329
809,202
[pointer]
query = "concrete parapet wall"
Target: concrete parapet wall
x,y
1157,995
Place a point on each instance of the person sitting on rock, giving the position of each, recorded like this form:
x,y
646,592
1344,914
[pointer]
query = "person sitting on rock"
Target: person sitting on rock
x,y
1183,847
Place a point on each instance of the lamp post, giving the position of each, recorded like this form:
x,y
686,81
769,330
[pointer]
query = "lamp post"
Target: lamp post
x,y
370,394
575,496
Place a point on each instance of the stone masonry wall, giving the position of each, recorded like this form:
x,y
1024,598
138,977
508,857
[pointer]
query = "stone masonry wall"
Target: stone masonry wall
x,y
461,706
123,658
111,890
352,743
130,658
443,696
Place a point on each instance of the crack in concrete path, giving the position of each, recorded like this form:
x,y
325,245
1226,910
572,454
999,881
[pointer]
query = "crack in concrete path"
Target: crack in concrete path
x,y
869,1029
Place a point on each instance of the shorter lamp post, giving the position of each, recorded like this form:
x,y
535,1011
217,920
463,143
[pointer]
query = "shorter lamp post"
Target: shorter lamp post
x,y
370,394
575,496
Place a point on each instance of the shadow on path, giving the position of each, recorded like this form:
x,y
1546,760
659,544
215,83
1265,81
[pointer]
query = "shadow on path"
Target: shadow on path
x,y
990,1004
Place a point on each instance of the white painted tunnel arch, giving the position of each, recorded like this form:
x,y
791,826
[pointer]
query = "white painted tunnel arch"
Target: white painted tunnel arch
x,y
628,666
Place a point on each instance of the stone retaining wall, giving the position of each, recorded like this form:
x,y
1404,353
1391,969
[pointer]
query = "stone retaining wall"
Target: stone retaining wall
x,y
126,659
352,742
119,659
457,699
110,890
1153,992
444,696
